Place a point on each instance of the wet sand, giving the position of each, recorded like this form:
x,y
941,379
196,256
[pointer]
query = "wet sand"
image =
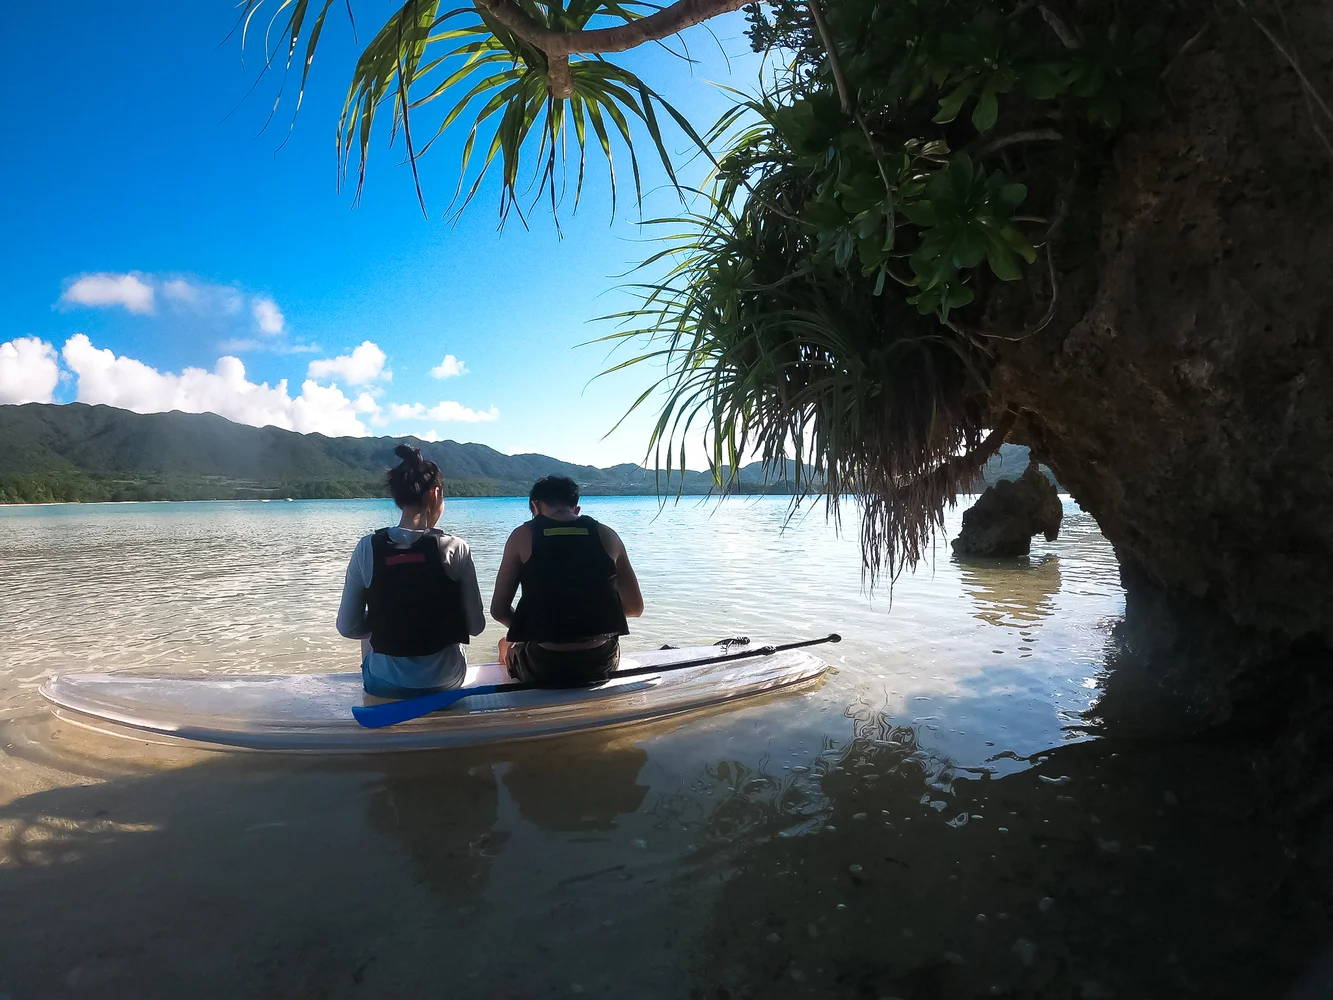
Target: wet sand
x,y
941,820
1110,869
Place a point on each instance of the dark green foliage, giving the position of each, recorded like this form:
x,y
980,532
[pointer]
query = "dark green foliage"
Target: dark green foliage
x,y
73,452
959,113
826,295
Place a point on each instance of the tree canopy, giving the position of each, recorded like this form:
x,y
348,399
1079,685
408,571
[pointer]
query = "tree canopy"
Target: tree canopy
x,y
885,208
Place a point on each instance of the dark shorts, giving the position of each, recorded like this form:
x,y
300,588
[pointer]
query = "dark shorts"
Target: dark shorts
x,y
535,664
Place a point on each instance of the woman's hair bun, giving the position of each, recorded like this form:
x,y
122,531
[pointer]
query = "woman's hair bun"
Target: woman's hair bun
x,y
410,455
413,477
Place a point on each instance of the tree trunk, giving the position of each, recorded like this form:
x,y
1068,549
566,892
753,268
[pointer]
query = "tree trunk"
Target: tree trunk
x,y
1187,403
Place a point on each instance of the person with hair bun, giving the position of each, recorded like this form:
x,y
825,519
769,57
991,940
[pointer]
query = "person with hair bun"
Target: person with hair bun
x,y
411,593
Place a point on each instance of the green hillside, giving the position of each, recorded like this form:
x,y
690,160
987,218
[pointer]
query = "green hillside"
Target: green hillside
x,y
76,452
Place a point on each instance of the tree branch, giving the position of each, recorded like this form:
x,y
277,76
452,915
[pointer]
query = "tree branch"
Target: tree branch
x,y
558,77
1067,37
667,21
1033,135
844,95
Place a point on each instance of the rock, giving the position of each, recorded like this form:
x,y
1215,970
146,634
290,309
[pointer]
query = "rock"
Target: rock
x,y
1002,522
1182,396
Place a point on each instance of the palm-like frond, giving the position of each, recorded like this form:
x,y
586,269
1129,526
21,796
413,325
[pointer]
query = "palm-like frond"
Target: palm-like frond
x,y
425,54
769,350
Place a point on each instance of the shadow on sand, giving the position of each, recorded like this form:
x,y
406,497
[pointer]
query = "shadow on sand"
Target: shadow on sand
x,y
876,866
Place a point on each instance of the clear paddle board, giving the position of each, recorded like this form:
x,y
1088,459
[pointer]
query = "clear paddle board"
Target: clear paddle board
x,y
312,713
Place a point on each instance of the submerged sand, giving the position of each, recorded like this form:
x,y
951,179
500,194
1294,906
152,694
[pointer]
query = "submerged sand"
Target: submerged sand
x,y
576,867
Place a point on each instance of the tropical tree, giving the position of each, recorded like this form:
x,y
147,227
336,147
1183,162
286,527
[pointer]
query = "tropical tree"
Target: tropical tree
x,y
525,73
881,214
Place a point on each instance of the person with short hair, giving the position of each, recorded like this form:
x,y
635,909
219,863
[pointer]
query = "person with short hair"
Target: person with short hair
x,y
578,589
411,593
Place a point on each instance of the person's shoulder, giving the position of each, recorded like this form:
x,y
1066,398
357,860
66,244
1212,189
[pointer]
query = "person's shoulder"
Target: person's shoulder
x,y
608,535
453,544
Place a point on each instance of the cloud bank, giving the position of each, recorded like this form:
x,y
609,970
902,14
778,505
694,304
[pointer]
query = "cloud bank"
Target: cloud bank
x,y
116,380
28,371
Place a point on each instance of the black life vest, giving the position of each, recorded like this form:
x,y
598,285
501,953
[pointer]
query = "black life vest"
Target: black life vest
x,y
414,607
569,585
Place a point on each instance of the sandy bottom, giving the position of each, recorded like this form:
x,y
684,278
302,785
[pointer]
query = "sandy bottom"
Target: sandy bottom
x,y
579,868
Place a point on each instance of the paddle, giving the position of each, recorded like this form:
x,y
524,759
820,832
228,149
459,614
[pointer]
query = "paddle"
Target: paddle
x,y
393,712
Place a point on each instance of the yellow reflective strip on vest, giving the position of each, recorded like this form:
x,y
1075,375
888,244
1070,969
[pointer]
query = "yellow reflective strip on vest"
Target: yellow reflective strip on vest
x,y
564,531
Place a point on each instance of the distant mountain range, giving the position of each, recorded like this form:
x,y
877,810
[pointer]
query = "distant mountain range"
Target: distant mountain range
x,y
75,452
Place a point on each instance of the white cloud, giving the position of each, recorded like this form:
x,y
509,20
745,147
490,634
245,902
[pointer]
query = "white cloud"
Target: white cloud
x,y
268,346
180,290
104,377
430,435
449,367
201,297
107,289
364,365
445,411
28,371
268,316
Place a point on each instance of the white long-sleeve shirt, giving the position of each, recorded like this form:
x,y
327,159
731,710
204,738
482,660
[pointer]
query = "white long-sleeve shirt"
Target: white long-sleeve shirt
x,y
443,669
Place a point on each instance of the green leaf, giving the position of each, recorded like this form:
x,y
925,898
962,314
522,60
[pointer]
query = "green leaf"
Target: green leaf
x,y
1045,81
961,174
958,295
1002,262
921,212
1019,243
1011,196
986,111
968,247
952,103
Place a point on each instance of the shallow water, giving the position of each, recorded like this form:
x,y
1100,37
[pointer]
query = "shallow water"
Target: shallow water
x,y
254,587
936,820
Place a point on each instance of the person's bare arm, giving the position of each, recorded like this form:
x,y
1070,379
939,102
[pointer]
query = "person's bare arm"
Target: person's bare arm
x,y
506,579
631,598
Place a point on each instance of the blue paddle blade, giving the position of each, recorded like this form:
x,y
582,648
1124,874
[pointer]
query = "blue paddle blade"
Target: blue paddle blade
x,y
393,712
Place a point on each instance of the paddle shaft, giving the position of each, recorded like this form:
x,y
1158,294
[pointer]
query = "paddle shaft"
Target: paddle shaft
x,y
720,658
394,712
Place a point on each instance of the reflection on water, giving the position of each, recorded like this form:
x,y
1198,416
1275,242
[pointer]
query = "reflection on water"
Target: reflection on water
x,y
1012,593
933,822
565,791
442,814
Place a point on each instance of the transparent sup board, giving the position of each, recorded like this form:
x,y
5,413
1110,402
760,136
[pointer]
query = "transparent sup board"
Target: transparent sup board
x,y
312,713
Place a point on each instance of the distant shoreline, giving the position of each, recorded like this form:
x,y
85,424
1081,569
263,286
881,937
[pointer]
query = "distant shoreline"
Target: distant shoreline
x,y
517,496
447,498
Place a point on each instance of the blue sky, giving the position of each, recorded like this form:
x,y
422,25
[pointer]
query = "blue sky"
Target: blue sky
x,y
150,230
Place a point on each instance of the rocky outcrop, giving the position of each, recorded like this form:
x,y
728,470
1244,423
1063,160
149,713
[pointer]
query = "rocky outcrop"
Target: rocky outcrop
x,y
1184,395
1002,522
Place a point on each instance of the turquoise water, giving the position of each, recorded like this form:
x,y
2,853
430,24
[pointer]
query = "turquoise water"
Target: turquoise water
x,y
980,654
937,820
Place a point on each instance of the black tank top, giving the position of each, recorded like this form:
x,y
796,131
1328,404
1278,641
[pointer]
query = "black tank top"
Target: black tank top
x,y
569,585
414,607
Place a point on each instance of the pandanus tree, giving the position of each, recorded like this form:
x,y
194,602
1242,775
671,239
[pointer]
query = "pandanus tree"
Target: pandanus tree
x,y
890,210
